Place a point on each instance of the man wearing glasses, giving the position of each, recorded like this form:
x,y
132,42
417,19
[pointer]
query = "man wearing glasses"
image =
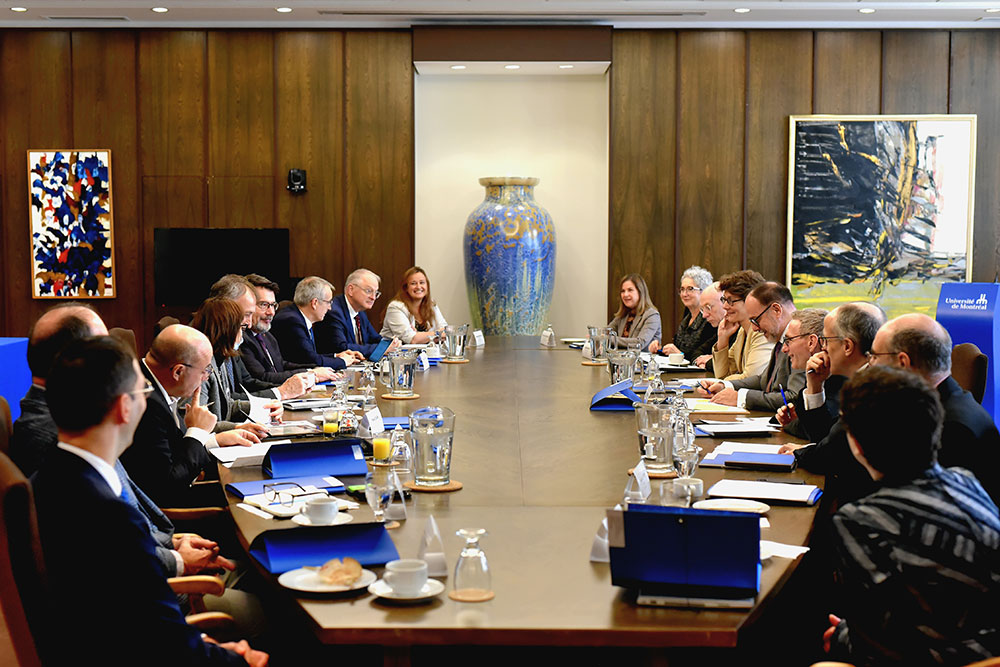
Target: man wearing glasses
x,y
346,325
295,327
969,438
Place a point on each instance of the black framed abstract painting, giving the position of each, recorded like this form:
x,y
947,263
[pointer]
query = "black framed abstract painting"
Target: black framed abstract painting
x,y
880,209
70,217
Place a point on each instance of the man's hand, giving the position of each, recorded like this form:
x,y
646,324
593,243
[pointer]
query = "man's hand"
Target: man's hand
x,y
198,416
724,395
276,409
200,554
703,360
817,371
394,345
325,373
253,657
704,388
236,436
789,448
258,430
670,348
654,346
350,357
786,414
829,632
293,387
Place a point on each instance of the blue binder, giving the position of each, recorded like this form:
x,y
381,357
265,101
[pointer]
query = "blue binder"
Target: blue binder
x,y
330,457
283,550
687,553
605,399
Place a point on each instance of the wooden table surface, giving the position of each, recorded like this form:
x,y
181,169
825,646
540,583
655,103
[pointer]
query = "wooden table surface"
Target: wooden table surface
x,y
539,470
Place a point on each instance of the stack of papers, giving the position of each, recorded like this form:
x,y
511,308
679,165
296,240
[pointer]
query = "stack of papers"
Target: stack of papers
x,y
237,456
299,497
717,457
806,494
738,428
705,406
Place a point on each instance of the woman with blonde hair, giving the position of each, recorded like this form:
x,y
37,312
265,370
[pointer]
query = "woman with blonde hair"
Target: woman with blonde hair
x,y
637,319
412,316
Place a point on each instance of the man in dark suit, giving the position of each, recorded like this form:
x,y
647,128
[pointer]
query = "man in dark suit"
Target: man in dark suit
x,y
295,327
800,341
260,350
773,303
969,437
97,395
346,325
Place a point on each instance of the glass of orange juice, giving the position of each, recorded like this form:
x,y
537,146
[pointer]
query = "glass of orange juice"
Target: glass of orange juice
x,y
381,448
331,422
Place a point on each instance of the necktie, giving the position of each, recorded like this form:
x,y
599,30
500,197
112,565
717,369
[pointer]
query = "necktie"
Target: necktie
x,y
312,338
357,328
263,344
772,369
230,377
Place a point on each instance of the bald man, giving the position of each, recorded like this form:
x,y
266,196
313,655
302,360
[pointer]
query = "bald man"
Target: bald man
x,y
168,451
969,438
711,310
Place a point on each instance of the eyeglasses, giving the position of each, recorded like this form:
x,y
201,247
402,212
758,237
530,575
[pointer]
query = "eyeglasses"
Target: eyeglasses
x,y
147,387
824,339
756,320
204,371
731,302
687,290
264,305
288,496
788,339
328,302
873,356
369,291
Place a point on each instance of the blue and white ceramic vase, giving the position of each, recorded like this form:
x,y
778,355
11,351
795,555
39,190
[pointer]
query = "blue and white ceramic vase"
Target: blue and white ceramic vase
x,y
510,258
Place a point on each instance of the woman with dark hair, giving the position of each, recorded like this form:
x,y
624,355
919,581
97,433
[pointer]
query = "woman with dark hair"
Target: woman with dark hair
x,y
637,319
412,316
221,321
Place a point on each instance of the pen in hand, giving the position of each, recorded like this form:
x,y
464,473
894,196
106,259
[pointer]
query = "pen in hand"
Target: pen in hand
x,y
783,397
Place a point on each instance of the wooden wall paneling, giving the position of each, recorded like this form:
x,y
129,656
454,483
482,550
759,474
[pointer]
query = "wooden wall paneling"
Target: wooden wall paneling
x,y
710,150
309,126
975,85
847,72
3,181
643,153
915,71
104,116
779,84
378,163
240,104
172,102
37,105
241,201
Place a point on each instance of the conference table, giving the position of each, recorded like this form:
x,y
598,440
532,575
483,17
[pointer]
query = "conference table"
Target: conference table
x,y
539,470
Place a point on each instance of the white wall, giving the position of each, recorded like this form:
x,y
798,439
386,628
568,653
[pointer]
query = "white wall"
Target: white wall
x,y
552,127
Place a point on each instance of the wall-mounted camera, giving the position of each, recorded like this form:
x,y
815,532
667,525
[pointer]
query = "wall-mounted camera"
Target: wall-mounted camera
x,y
296,181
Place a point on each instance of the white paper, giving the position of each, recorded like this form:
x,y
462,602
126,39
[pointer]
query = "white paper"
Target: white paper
x,y
642,478
696,405
373,418
237,453
783,550
735,428
599,552
253,510
764,523
431,550
728,447
259,412
745,488
479,338
425,362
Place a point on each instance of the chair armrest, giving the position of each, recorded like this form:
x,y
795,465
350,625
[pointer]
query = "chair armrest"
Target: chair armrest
x,y
197,584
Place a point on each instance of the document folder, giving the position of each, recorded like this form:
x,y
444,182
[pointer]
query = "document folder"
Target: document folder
x,y
331,457
282,550
328,483
691,556
617,397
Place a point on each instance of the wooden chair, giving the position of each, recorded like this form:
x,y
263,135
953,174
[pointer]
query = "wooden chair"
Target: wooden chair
x,y
284,303
6,426
968,367
163,323
126,336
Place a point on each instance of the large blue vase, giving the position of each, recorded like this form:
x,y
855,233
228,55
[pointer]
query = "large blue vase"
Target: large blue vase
x,y
510,259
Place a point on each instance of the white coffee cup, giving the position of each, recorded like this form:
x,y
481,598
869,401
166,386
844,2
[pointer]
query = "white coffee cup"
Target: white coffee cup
x,y
676,358
321,509
406,576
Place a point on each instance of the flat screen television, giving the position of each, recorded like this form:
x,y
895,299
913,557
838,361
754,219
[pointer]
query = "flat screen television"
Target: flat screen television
x,y
187,261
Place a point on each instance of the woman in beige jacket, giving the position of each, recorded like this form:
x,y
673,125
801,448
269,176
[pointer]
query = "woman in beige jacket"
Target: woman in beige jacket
x,y
750,352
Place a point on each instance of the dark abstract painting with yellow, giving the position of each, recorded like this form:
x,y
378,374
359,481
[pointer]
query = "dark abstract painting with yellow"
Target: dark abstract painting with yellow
x,y
879,209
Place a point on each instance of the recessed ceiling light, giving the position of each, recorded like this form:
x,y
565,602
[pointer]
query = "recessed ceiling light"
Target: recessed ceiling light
x,y
160,10
282,10
458,66
512,67
742,10
24,9
565,67
866,10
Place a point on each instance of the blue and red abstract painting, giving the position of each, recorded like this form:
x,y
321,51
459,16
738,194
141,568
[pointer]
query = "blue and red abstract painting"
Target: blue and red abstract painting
x,y
71,225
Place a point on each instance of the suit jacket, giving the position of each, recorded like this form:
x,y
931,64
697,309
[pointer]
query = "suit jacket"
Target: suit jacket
x,y
161,460
223,398
747,356
262,358
645,329
290,330
74,504
335,333
969,438
815,424
35,439
780,367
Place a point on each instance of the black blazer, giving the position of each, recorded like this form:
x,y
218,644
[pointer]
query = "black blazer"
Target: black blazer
x,y
161,460
74,504
290,330
271,368
335,333
969,438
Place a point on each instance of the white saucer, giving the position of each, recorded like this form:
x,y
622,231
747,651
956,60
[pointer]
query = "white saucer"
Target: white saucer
x,y
342,517
732,505
432,588
572,340
301,579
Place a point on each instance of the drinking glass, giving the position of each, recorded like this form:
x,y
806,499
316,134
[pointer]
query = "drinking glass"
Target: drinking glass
x,y
381,448
473,582
378,492
402,455
432,430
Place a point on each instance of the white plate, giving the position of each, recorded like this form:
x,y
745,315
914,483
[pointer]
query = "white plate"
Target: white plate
x,y
732,505
432,588
572,340
308,581
342,517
